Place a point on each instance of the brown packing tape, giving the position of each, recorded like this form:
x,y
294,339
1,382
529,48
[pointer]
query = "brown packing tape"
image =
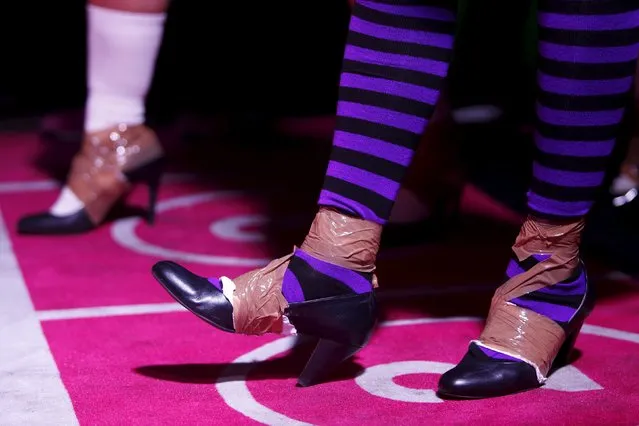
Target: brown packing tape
x,y
96,176
258,303
523,333
344,240
520,331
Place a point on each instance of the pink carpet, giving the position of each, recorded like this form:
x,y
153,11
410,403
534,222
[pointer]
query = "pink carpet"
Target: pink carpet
x,y
129,358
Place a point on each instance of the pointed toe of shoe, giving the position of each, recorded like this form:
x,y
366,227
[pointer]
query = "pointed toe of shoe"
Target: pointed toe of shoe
x,y
195,293
478,376
48,224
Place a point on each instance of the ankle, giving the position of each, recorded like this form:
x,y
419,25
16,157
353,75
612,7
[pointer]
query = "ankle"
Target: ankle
x,y
343,240
558,238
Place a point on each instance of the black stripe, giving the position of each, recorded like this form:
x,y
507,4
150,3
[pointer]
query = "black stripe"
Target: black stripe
x,y
394,74
380,205
368,276
316,285
386,101
378,131
577,133
582,71
527,264
583,103
587,7
564,193
572,164
567,301
405,22
399,47
614,38
370,163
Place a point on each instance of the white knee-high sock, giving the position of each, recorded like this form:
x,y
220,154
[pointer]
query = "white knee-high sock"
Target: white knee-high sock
x,y
122,49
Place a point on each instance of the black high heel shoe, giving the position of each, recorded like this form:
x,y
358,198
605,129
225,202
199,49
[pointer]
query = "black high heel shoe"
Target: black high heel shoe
x,y
103,172
480,376
342,324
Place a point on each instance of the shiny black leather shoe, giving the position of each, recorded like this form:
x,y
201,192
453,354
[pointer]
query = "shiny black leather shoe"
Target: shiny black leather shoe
x,y
48,224
479,376
343,325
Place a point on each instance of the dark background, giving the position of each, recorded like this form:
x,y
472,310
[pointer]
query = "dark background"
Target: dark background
x,y
272,59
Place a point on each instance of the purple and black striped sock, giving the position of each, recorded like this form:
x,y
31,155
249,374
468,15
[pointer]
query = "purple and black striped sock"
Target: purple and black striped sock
x,y
395,61
587,58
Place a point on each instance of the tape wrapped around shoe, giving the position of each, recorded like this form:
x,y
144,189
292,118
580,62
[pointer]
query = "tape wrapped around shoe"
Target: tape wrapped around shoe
x,y
258,302
520,332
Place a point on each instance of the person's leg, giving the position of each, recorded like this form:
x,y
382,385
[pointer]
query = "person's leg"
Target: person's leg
x,y
123,40
394,63
587,59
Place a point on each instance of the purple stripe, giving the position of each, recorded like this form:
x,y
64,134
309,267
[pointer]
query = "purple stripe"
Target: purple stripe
x,y
566,178
406,62
621,21
514,269
410,123
358,283
575,149
216,282
588,55
389,87
291,288
579,118
497,355
401,35
426,12
554,312
575,288
376,147
387,188
544,205
331,199
541,257
566,86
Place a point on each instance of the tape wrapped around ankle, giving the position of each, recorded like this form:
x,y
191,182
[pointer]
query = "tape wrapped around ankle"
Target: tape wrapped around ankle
x,y
344,240
97,172
521,332
258,303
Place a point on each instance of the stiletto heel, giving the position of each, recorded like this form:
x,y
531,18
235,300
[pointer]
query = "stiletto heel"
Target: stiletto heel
x,y
327,355
150,174
153,198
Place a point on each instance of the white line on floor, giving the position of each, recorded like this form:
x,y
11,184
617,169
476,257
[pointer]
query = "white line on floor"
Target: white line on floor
x,y
50,184
31,390
160,308
108,311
